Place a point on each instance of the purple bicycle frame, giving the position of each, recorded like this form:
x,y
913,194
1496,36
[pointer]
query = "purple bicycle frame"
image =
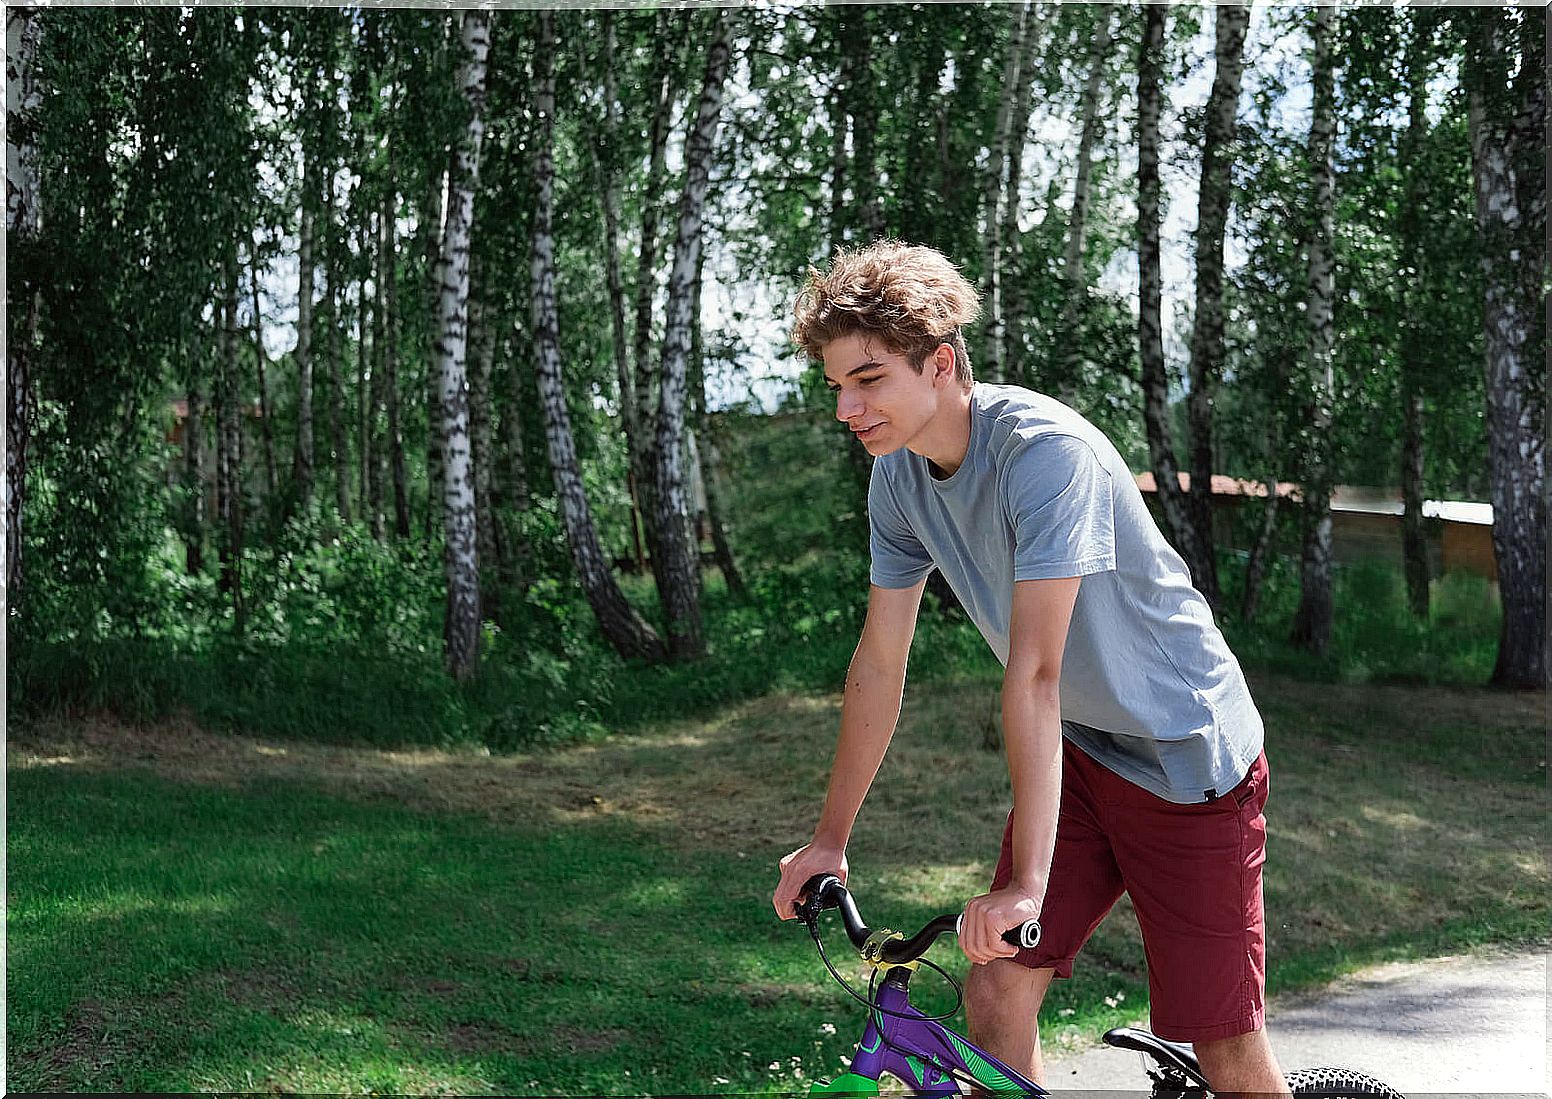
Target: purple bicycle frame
x,y
917,1050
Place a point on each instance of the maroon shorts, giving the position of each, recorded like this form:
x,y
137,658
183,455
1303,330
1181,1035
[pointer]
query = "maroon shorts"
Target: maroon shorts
x,y
1194,875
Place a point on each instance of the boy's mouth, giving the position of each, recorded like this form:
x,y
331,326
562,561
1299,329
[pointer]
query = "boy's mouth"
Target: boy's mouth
x,y
867,433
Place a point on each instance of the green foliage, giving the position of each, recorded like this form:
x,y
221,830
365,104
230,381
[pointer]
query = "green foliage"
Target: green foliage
x,y
1376,638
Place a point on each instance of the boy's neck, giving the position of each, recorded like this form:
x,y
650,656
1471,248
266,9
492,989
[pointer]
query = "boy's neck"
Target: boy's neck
x,y
945,440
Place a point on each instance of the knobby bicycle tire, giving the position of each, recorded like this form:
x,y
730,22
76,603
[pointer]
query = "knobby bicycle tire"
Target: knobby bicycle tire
x,y
1338,1083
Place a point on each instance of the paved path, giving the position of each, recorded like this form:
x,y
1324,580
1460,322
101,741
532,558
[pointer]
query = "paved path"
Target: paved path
x,y
1465,1025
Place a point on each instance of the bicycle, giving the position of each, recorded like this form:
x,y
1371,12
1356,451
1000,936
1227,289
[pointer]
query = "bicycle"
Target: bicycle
x,y
934,1061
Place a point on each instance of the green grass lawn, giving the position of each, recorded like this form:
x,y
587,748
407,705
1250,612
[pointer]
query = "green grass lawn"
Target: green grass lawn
x,y
198,912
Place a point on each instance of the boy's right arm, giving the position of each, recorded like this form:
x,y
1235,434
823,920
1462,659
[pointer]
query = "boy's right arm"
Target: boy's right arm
x,y
870,708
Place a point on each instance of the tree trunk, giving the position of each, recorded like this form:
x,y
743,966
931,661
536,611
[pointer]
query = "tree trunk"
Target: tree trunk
x,y
1414,547
364,388
1155,374
339,442
266,422
23,224
329,306
462,630
1313,621
229,447
1015,305
710,460
996,174
387,262
514,490
835,106
377,472
433,214
609,187
1075,284
862,109
194,480
625,630
643,459
1207,327
302,464
482,355
1255,568
1516,396
676,546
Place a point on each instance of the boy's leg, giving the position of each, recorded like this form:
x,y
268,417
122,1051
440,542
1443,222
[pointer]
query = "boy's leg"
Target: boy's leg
x,y
1002,1003
1241,1065
1003,998
1194,875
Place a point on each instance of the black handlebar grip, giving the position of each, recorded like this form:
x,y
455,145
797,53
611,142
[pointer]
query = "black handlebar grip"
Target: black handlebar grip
x,y
1026,936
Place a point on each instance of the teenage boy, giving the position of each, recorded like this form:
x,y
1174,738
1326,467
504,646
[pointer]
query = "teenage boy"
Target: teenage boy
x,y
1133,745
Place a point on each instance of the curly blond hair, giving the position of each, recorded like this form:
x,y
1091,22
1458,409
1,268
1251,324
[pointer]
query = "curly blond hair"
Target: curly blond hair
x,y
908,295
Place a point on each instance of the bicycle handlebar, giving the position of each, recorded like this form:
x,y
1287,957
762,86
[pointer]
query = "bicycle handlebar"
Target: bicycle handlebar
x,y
826,891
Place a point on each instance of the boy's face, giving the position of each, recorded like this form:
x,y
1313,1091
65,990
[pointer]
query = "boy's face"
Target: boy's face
x,y
878,393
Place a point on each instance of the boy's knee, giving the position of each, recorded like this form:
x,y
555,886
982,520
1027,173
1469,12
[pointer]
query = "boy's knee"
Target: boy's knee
x,y
1004,985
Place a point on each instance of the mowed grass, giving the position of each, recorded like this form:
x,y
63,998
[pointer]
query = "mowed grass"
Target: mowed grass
x,y
198,912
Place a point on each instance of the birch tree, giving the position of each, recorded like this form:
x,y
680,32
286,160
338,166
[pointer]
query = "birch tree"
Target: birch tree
x,y
680,570
1515,372
23,223
1213,197
1155,375
1074,282
1414,551
461,631
1313,621
996,194
625,630
643,459
229,456
302,461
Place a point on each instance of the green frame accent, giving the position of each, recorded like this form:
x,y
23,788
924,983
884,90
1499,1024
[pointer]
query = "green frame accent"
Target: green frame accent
x,y
846,1084
985,1075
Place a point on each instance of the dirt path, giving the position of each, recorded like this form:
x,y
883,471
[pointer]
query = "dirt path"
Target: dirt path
x,y
1462,1025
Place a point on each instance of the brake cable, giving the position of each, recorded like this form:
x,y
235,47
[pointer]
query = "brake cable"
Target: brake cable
x,y
869,1002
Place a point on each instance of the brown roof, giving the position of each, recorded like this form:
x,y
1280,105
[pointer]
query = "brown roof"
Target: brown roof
x,y
1223,486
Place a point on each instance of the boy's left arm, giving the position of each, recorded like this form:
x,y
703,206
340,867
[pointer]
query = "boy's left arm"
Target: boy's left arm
x,y
1032,732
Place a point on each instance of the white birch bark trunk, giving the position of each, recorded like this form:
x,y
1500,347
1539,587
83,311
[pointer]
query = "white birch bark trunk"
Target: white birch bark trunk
x,y
1015,303
433,216
1207,326
482,356
377,470
229,506
388,250
1414,547
643,459
606,164
675,532
23,224
1313,621
1155,373
302,463
1075,285
1516,396
996,193
461,632
266,414
625,630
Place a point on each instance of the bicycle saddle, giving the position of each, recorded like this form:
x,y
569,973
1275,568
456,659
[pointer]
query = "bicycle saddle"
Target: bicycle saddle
x,y
1169,1055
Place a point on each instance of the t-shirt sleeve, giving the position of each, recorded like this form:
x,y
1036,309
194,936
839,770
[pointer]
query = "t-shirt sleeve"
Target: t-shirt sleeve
x,y
1059,501
899,558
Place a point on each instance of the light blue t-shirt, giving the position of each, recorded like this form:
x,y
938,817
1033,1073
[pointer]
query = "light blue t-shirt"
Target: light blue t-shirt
x,y
1149,687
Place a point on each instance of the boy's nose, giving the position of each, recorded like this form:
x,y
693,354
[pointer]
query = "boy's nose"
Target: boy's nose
x,y
846,407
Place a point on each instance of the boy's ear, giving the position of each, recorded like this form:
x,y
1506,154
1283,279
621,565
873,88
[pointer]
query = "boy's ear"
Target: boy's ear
x,y
943,360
